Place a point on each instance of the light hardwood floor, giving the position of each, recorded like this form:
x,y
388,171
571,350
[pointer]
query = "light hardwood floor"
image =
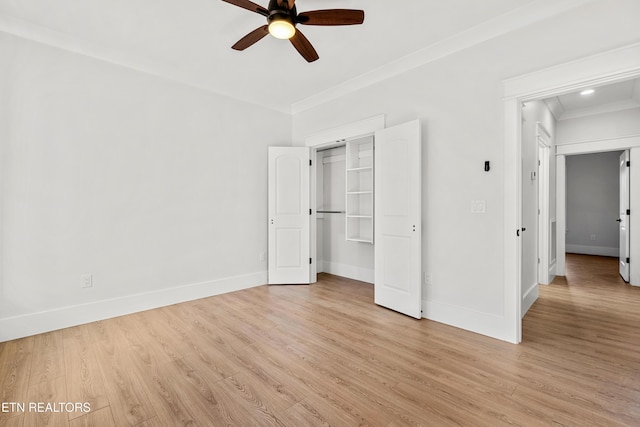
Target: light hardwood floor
x,y
326,355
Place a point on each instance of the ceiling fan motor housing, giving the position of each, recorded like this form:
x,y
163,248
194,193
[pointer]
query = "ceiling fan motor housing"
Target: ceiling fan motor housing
x,y
277,13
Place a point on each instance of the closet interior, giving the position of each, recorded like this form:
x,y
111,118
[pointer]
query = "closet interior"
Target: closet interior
x,y
344,208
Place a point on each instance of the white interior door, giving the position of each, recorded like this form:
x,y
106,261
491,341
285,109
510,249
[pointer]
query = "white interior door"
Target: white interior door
x,y
398,215
289,217
624,215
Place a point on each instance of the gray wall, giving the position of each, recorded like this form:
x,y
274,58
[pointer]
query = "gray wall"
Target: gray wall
x,y
592,203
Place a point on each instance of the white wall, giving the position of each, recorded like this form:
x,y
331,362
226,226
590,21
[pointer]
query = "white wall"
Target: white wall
x,y
599,126
593,187
532,113
459,100
157,189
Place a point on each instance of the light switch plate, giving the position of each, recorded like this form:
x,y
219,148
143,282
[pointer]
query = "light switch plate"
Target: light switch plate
x,y
478,206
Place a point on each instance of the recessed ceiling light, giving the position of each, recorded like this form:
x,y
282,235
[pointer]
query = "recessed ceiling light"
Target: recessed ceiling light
x,y
587,92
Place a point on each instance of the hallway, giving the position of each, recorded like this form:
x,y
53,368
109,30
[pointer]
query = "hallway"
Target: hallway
x,y
591,318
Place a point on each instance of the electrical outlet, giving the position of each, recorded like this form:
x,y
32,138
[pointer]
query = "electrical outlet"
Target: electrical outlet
x,y
86,281
593,237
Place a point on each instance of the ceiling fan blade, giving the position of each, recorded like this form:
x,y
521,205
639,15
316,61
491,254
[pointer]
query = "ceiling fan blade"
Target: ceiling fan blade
x,y
303,46
331,17
251,38
249,5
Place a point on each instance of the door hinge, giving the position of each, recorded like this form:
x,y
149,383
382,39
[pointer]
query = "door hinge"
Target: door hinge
x,y
310,212
628,211
628,261
310,162
628,163
538,260
309,260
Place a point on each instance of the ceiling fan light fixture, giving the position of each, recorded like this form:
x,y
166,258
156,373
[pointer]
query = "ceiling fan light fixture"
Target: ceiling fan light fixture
x,y
281,28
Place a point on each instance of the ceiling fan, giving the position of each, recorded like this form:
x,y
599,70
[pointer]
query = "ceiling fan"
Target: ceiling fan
x,y
282,18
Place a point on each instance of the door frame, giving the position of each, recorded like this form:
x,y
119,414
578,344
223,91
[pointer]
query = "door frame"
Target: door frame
x,y
631,143
608,67
543,138
326,139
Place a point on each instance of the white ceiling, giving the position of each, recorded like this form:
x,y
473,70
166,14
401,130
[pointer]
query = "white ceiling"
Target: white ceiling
x,y
191,41
607,98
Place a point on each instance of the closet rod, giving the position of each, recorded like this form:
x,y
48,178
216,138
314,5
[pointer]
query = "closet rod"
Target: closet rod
x,y
331,148
338,212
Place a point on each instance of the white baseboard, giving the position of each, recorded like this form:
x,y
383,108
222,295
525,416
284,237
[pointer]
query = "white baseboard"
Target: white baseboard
x,y
592,250
530,296
51,320
491,325
349,271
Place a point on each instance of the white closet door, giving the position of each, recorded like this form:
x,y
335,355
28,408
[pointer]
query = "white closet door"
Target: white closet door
x,y
398,215
289,218
624,216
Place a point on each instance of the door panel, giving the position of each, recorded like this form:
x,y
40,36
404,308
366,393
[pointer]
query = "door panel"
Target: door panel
x,y
289,219
624,216
398,217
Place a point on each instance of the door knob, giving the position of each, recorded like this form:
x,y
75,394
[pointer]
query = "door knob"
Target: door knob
x,y
618,220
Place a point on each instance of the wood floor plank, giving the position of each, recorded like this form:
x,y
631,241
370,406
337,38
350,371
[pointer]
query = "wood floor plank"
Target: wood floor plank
x,y
96,418
83,378
47,362
48,393
15,366
126,386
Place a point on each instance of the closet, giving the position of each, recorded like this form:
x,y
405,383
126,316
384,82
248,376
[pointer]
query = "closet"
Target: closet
x,y
347,206
344,208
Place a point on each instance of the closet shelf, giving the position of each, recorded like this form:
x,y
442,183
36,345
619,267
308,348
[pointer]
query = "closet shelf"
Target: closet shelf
x,y
359,192
364,168
357,239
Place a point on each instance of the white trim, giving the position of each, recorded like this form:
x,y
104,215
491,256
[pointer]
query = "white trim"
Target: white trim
x,y
634,218
561,213
495,27
349,271
491,325
608,67
340,134
600,109
599,145
544,224
529,298
592,250
540,130
512,220
64,317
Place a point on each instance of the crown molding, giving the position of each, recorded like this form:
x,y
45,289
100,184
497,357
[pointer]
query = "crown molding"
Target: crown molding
x,y
498,26
596,70
611,107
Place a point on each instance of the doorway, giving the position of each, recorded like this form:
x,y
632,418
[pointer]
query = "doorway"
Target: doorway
x,y
609,67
